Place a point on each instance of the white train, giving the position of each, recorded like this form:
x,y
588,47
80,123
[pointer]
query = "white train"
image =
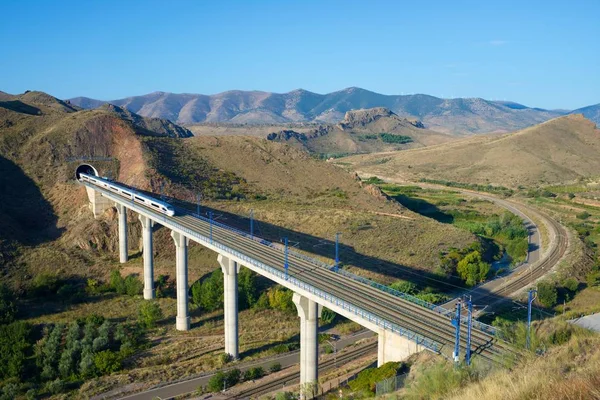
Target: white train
x,y
160,206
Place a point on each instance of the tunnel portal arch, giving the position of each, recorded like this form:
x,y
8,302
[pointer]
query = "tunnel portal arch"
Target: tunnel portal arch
x,y
85,169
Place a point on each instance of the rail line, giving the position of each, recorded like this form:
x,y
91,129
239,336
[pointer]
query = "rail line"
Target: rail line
x,y
292,377
410,316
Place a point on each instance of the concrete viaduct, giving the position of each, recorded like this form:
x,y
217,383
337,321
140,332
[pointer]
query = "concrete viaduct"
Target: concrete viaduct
x,y
404,324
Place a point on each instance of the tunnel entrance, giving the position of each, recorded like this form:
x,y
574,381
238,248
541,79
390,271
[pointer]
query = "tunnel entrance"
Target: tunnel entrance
x,y
85,169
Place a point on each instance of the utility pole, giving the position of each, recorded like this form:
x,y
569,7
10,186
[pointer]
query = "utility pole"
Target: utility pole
x,y
530,298
456,323
337,251
252,224
286,265
469,327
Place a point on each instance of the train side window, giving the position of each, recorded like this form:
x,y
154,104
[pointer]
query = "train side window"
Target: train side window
x,y
139,199
155,205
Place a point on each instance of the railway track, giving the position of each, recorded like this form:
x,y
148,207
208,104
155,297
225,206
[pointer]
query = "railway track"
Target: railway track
x,y
525,276
415,318
409,315
292,377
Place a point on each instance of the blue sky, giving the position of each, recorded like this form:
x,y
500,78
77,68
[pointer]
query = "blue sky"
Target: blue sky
x,y
539,53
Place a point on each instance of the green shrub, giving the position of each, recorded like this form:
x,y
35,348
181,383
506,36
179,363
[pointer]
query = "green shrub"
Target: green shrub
x,y
217,382
56,386
117,283
583,215
327,316
367,379
247,288
275,367
233,376
254,373
133,286
70,293
547,294
571,284
404,286
107,362
150,313
436,381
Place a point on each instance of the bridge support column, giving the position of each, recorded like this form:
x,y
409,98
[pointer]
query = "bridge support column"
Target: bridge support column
x,y
393,347
309,312
123,249
181,249
147,225
230,270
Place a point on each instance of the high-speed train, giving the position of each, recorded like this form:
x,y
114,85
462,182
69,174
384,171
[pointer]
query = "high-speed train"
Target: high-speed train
x,y
160,206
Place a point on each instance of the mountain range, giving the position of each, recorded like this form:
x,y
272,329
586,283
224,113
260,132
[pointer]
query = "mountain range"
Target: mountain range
x,y
460,115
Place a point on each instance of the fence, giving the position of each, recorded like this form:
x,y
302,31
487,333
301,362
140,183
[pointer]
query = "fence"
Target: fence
x,y
390,385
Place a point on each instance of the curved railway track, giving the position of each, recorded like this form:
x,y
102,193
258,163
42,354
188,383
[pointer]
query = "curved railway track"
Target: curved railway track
x,y
524,277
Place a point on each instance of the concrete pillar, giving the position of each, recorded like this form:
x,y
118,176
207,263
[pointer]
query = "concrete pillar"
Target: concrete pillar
x,y
309,312
394,347
230,270
98,203
147,225
122,211
181,248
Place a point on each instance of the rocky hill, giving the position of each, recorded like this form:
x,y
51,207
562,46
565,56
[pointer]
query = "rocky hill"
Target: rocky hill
x,y
556,151
470,115
362,131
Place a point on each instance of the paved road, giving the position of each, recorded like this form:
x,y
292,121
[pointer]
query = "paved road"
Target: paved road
x,y
286,360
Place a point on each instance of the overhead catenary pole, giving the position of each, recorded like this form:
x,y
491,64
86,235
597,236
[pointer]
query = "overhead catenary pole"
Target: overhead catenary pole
x,y
469,327
456,323
530,299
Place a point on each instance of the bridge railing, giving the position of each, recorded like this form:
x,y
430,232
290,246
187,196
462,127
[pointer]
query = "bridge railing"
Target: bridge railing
x,y
413,299
419,339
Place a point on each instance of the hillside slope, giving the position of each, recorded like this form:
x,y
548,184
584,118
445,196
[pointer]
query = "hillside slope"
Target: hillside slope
x,y
470,115
363,131
559,150
292,194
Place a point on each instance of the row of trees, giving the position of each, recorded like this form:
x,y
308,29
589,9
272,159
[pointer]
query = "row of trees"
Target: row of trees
x,y
467,263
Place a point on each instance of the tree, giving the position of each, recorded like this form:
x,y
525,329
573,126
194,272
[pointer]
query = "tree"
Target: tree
x,y
208,293
472,269
275,367
14,346
150,314
117,283
133,286
254,373
8,308
547,294
248,293
107,362
327,316
281,299
404,286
